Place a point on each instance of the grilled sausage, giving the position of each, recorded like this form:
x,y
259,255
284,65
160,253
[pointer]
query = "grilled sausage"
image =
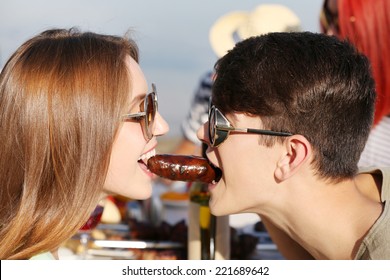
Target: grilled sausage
x,y
184,168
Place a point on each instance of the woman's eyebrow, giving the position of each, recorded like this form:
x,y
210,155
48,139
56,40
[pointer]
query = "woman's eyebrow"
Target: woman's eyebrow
x,y
137,100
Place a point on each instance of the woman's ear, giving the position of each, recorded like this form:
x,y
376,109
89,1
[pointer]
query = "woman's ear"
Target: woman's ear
x,y
297,152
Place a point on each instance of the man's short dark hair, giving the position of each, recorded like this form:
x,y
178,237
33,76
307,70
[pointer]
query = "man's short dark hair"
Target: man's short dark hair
x,y
305,83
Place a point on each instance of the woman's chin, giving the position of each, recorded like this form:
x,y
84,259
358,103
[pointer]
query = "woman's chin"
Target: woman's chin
x,y
139,191
141,195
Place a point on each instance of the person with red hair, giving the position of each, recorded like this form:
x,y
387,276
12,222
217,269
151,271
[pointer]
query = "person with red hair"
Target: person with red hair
x,y
366,24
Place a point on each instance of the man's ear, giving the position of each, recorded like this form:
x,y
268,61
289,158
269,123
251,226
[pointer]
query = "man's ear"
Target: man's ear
x,y
297,152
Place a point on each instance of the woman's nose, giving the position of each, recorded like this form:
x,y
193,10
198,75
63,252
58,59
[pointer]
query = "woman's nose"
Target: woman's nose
x,y
161,126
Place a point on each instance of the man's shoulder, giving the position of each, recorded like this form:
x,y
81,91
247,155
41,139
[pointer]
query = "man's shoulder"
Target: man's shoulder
x,y
384,173
376,244
385,170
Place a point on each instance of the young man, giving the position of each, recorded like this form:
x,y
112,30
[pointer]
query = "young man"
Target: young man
x,y
289,118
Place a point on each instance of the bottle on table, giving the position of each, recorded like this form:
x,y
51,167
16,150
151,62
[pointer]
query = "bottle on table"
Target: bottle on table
x,y
208,235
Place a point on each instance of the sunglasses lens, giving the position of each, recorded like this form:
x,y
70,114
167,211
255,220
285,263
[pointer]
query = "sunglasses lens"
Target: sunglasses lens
x,y
212,126
217,136
150,110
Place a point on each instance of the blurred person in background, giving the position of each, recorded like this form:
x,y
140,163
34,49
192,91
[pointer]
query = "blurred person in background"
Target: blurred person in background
x,y
77,123
366,24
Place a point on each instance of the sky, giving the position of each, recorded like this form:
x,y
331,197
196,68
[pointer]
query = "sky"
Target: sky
x,y
172,35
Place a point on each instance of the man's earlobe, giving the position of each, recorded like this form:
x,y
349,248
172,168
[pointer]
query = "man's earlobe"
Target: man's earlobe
x,y
297,152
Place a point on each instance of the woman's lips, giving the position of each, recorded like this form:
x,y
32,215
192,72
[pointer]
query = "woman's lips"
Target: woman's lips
x,y
142,161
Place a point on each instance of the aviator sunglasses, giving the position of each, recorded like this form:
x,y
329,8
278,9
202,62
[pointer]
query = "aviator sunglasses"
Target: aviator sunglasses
x,y
220,128
148,112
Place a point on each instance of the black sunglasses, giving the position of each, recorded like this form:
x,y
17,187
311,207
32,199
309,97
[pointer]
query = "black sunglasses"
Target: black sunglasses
x,y
149,107
220,128
329,20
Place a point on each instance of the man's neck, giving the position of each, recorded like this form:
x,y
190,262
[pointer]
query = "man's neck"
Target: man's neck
x,y
327,220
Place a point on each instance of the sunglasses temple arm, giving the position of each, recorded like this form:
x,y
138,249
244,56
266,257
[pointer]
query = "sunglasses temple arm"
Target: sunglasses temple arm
x,y
255,131
134,116
267,132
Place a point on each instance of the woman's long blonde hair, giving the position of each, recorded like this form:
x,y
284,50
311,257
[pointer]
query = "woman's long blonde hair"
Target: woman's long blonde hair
x,y
62,94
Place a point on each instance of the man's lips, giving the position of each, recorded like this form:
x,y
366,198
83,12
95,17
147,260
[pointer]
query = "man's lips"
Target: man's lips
x,y
218,173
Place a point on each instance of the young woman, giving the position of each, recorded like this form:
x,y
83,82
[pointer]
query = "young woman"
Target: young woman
x,y
76,123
